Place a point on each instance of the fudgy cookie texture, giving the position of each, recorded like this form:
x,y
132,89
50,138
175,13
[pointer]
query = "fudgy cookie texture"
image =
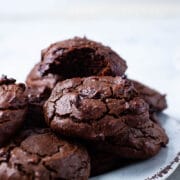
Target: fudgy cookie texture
x,y
37,154
107,112
77,57
81,57
157,101
13,106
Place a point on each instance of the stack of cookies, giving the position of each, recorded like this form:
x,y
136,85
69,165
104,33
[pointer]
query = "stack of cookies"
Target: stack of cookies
x,y
78,115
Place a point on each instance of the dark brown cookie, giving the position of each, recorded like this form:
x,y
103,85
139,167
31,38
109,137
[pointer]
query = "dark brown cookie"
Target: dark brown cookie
x,y
39,154
107,112
13,106
80,106
77,57
157,101
135,142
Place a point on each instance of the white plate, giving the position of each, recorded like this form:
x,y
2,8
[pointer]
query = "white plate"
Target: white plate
x,y
156,166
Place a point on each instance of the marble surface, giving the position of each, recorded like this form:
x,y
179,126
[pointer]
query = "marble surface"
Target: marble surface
x,y
145,33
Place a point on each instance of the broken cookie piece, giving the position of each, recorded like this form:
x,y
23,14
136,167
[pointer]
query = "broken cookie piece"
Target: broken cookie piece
x,y
81,57
77,57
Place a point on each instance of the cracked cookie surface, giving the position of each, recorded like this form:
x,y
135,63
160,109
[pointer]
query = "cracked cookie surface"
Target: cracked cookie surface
x,y
37,154
107,112
13,106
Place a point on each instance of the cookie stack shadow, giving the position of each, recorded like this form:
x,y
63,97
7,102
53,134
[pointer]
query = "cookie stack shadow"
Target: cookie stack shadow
x,y
78,115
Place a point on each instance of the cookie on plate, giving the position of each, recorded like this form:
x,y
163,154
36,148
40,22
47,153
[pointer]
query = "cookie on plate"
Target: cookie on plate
x,y
107,112
39,154
13,107
77,57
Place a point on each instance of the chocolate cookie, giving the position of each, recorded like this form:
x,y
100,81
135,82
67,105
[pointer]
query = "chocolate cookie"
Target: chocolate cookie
x,y
39,154
80,106
13,106
157,101
77,57
81,57
135,142
107,112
